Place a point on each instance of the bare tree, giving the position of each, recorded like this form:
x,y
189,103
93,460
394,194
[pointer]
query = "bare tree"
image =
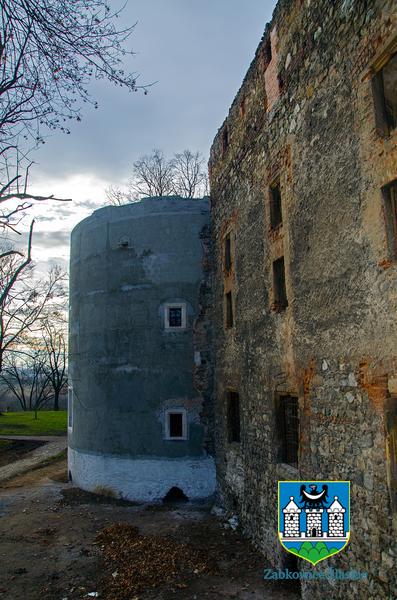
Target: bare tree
x,y
54,348
152,176
190,178
49,51
15,197
116,196
23,301
26,379
155,175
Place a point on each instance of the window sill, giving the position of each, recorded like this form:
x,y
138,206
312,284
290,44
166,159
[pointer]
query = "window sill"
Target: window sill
x,y
278,308
386,136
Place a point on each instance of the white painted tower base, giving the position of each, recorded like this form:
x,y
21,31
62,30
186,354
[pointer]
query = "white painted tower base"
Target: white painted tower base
x,y
144,480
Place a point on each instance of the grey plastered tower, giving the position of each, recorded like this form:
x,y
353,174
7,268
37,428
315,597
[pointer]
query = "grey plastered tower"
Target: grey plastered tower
x,y
140,365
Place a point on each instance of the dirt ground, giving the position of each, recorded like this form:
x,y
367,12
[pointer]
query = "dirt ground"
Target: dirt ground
x,y
16,449
49,548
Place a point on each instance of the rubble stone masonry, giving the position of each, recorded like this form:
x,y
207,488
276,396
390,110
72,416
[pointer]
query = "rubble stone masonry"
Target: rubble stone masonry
x,y
306,125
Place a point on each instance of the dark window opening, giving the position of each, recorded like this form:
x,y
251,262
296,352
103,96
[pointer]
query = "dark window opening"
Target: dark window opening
x,y
242,108
225,139
175,316
280,291
391,429
228,252
276,215
288,429
281,81
233,503
229,309
233,416
384,86
175,494
390,205
175,425
268,52
290,561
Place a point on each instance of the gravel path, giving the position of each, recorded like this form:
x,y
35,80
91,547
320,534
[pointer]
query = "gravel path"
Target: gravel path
x,y
34,458
35,438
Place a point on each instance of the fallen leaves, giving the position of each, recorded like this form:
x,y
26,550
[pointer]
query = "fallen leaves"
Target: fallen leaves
x,y
138,562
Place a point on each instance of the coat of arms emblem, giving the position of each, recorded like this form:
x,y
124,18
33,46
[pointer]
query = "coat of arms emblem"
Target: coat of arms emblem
x,y
314,518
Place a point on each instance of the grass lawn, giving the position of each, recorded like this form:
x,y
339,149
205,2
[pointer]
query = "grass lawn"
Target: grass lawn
x,y
49,422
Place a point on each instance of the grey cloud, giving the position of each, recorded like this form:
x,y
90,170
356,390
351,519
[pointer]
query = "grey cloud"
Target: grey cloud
x,y
42,266
90,204
51,239
198,52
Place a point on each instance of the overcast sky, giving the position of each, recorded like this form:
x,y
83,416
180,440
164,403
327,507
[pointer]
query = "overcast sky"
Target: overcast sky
x,y
198,53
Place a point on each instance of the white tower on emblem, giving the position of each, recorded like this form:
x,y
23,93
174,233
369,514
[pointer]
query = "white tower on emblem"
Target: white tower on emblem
x,y
291,519
335,519
314,522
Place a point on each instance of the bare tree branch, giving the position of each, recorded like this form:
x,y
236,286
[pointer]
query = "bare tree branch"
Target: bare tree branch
x,y
116,196
190,178
10,281
154,175
49,51
25,302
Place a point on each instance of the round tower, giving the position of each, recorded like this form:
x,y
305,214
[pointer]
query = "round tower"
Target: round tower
x,y
137,347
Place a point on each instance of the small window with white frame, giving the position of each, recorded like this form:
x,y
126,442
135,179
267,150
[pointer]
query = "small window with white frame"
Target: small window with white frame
x,y
175,316
176,424
70,408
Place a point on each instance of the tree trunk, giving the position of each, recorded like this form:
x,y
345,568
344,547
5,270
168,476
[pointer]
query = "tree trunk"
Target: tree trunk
x,y
56,400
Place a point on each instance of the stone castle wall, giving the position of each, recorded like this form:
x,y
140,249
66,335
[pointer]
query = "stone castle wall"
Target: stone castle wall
x,y
304,117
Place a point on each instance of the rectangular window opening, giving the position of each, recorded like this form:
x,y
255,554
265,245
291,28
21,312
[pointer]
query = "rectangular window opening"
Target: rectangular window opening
x,y
276,216
175,316
233,417
288,429
225,139
228,253
390,206
391,440
176,425
384,86
280,291
229,310
268,51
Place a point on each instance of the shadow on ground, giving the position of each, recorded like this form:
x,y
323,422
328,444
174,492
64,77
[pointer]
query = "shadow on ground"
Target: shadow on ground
x,y
54,547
